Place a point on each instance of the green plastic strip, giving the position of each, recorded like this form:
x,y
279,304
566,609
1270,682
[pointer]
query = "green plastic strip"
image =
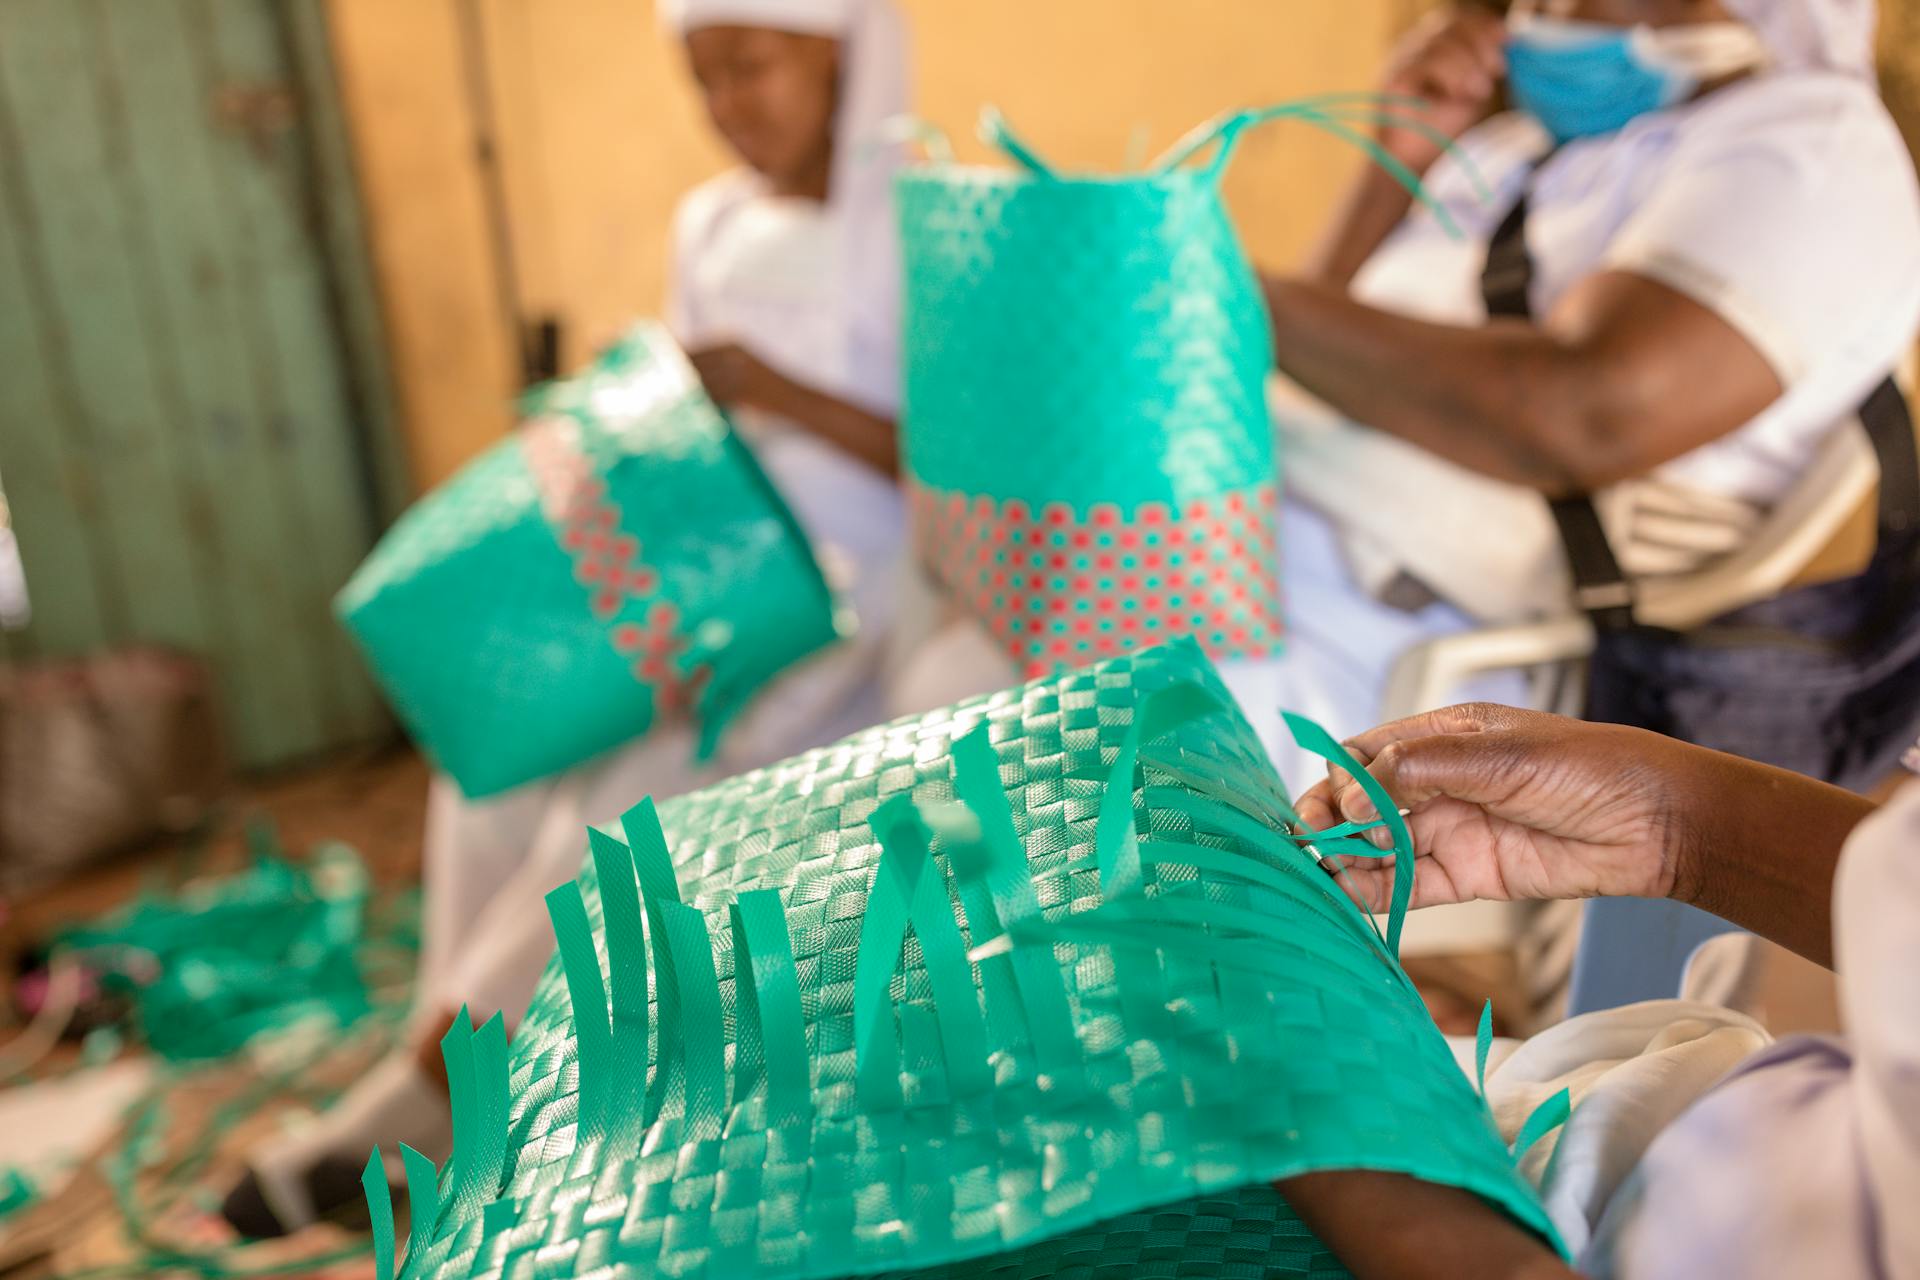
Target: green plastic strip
x,y
1226,131
496,1216
1336,906
1278,814
1227,821
1546,1117
1124,932
905,839
1482,1046
703,1038
1311,737
1200,136
423,1201
456,1051
658,887
1183,916
1116,844
995,132
373,1180
749,1050
1139,978
768,984
581,966
627,966
1002,865
883,930
492,1089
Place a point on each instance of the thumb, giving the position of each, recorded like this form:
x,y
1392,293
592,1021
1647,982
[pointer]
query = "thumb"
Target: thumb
x,y
1477,768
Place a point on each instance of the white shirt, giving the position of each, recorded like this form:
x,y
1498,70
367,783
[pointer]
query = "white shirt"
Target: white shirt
x,y
764,271
1786,203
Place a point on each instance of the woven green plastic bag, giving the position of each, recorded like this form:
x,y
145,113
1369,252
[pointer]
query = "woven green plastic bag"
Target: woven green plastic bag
x,y
620,557
1035,986
1088,450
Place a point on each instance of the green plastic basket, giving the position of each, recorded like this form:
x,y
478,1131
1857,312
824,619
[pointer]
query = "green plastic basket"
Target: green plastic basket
x,y
1089,456
1090,461
1040,985
621,556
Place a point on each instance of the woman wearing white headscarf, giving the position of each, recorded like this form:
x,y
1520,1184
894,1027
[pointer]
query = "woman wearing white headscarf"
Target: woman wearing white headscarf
x,y
786,294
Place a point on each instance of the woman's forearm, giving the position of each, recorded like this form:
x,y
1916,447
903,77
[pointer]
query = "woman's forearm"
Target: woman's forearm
x,y
1607,387
1496,399
1388,1226
867,436
1759,846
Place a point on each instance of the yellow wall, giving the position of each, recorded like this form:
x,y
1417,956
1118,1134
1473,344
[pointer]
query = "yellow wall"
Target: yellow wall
x,y
595,134
619,134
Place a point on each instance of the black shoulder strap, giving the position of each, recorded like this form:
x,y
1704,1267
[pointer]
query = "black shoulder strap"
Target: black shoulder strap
x,y
1601,589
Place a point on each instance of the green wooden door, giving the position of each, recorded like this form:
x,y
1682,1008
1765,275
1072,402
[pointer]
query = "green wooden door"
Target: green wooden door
x,y
180,445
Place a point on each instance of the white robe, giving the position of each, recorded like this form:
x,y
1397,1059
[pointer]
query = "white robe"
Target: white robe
x,y
762,272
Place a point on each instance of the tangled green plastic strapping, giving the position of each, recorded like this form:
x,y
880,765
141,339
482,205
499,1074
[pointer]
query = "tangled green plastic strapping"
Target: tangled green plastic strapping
x,y
215,964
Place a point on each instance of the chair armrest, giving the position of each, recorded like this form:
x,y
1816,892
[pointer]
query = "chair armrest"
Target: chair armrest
x,y
1424,676
1842,476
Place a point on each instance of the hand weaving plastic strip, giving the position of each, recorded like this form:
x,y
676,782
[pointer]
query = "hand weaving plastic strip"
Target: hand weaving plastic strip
x,y
908,1029
619,558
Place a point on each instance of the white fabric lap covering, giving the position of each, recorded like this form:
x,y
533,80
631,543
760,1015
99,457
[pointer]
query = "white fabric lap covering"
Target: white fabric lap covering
x,y
1696,1148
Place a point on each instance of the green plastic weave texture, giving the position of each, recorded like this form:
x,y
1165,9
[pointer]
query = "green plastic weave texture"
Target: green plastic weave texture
x,y
1038,985
620,556
1090,457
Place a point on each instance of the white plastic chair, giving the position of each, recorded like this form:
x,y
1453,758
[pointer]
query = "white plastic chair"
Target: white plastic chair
x,y
1842,476
1657,938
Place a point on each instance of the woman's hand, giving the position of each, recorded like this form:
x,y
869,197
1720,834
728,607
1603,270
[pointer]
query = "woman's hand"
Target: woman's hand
x,y
1452,63
733,375
1453,60
1507,804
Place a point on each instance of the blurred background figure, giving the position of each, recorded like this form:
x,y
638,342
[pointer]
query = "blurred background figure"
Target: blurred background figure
x,y
785,292
1720,249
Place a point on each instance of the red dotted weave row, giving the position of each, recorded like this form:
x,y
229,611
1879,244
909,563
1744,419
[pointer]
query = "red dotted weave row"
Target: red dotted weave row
x,y
623,591
1060,589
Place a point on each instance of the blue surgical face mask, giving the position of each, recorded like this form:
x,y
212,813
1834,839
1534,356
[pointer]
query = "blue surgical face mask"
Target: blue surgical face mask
x,y
1579,79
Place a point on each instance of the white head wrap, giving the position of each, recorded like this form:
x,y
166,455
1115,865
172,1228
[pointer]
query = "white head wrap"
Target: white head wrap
x,y
1813,35
874,89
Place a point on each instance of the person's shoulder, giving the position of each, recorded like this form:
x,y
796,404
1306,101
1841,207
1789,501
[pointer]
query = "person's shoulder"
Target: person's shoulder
x,y
706,206
1825,115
